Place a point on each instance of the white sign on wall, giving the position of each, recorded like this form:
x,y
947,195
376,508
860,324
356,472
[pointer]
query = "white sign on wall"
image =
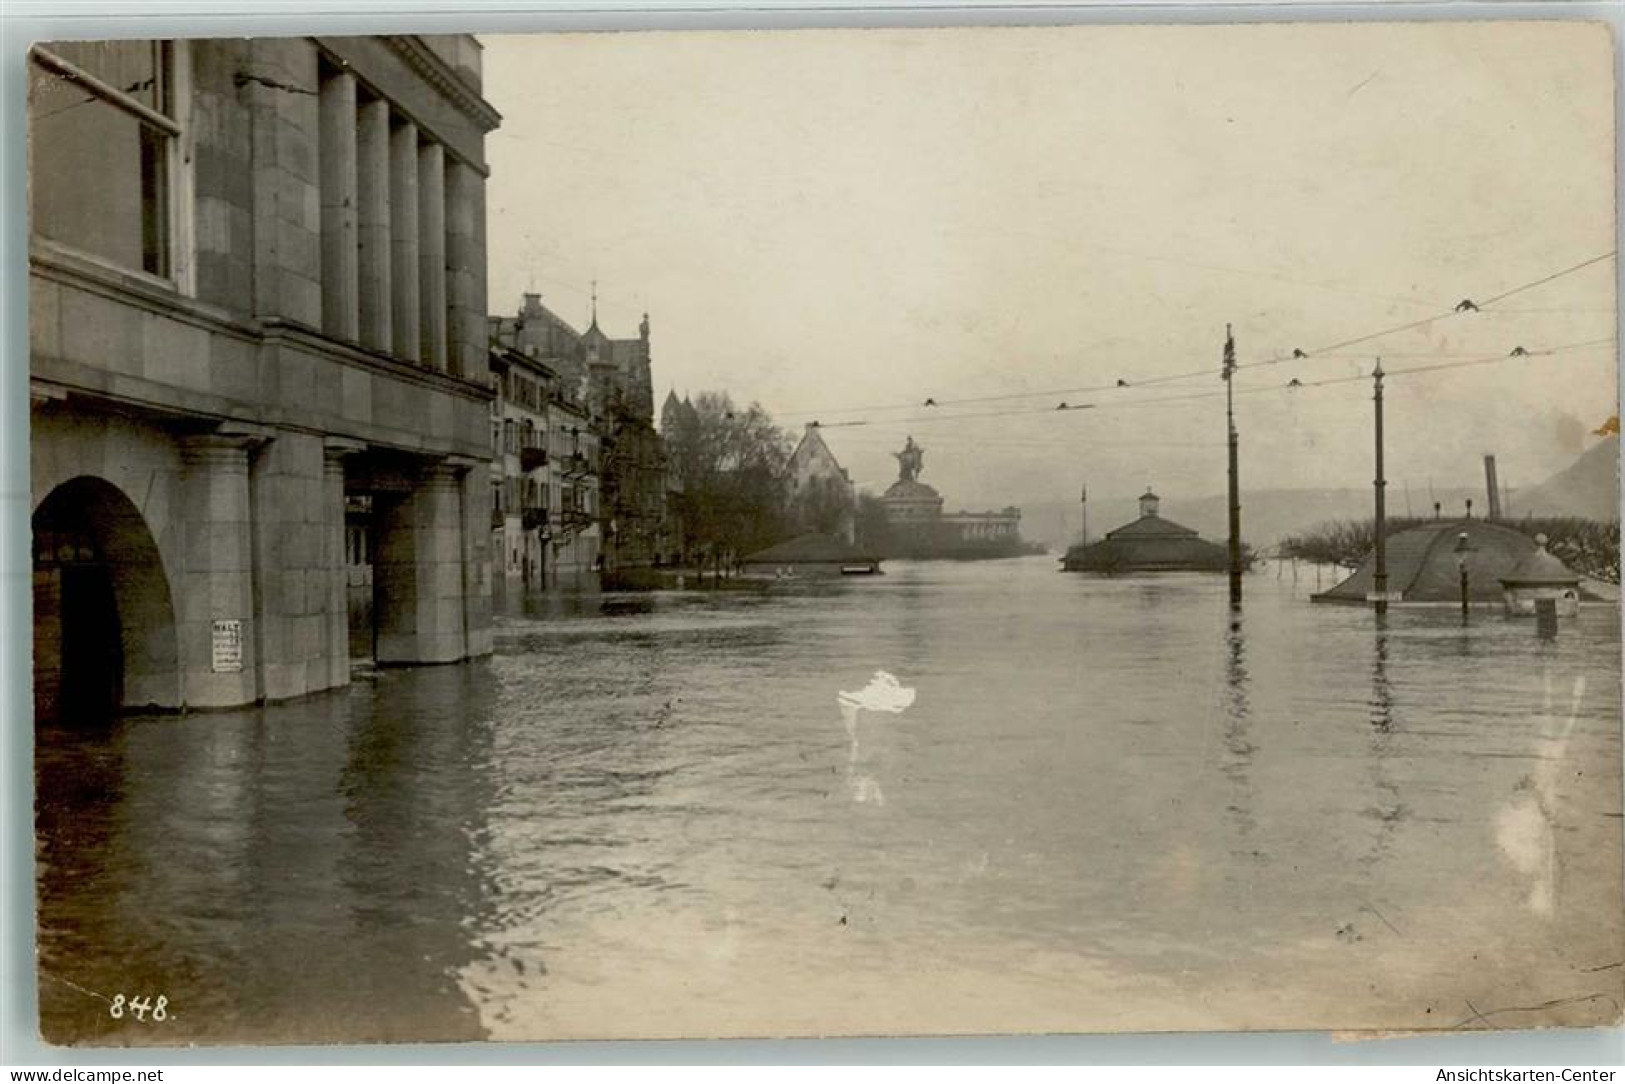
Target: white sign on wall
x,y
228,647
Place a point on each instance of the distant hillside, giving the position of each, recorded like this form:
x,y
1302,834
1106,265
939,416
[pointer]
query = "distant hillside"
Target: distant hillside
x,y
1588,487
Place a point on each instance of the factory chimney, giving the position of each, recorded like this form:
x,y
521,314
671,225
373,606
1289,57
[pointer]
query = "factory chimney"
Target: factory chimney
x,y
1492,487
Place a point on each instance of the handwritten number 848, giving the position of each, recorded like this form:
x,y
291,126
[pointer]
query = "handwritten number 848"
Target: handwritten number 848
x,y
139,1007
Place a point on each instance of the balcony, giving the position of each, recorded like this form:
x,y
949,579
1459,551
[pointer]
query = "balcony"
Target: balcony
x,y
533,519
572,521
499,518
532,458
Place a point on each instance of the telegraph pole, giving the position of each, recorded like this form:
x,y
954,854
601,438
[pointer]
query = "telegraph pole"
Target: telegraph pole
x,y
1379,579
1235,473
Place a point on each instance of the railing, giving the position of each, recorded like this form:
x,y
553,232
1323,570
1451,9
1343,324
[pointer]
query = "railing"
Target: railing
x,y
533,518
498,517
531,458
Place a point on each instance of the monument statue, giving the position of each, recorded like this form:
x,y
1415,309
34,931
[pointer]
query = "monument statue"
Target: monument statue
x,y
910,461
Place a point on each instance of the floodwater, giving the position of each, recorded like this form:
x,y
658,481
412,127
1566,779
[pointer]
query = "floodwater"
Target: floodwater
x,y
1109,806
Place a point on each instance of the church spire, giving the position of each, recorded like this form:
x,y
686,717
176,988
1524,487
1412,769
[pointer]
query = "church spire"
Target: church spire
x,y
594,302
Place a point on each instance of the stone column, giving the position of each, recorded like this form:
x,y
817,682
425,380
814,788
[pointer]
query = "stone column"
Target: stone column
x,y
432,254
373,224
418,572
403,223
215,589
340,284
335,566
466,312
475,482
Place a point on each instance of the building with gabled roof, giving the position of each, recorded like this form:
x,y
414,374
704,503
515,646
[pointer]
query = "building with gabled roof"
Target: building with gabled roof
x,y
821,490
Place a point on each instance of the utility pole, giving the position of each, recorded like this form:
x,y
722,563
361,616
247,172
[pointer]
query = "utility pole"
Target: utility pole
x,y
1235,473
1379,579
1085,502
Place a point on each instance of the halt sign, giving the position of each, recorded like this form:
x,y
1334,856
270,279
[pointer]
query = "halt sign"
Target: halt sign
x,y
227,642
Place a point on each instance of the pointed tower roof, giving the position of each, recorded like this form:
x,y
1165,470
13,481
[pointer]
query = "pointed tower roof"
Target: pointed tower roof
x,y
594,337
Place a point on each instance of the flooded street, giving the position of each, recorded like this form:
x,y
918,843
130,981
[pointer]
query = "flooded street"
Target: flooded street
x,y
1107,807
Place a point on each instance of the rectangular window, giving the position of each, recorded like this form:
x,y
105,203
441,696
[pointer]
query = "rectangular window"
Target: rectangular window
x,y
104,147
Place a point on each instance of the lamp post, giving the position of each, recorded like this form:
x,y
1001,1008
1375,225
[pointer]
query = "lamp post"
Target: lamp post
x,y
1464,555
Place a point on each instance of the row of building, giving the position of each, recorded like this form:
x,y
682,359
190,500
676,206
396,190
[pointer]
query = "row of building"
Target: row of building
x,y
580,481
273,427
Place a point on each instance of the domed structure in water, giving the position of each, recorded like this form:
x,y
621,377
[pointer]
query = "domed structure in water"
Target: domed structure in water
x,y
1424,564
1149,544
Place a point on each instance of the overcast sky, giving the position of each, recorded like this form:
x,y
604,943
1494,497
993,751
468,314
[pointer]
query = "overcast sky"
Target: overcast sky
x,y
836,222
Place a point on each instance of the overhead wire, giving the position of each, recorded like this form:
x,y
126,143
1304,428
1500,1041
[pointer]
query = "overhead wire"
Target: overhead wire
x,y
1483,359
1466,305
1331,350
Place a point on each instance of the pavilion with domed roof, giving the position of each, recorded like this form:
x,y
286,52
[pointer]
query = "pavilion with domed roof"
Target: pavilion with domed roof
x,y
1149,544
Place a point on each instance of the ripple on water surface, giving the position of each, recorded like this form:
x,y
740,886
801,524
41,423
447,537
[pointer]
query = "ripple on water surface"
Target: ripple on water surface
x,y
1111,804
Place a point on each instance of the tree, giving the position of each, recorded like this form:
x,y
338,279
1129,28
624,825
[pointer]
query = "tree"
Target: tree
x,y
1341,542
823,505
874,534
732,465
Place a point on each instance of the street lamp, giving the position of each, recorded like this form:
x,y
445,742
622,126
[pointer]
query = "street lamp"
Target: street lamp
x,y
1464,555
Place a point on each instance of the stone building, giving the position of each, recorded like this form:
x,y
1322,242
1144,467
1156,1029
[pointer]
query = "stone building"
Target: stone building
x,y
917,526
678,418
821,490
612,379
544,474
256,299
519,470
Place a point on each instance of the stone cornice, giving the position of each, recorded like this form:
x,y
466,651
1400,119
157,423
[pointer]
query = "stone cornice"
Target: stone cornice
x,y
69,268
278,332
444,78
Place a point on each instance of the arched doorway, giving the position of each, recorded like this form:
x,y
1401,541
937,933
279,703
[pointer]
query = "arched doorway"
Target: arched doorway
x,y
104,625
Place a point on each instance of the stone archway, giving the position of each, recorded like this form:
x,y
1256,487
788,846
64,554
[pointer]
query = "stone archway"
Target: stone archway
x,y
104,621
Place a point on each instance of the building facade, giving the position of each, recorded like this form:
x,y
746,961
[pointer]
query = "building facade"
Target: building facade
x,y
257,351
916,525
821,492
544,476
610,381
678,418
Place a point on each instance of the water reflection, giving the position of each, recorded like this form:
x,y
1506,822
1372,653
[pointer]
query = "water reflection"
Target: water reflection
x,y
1238,741
644,823
299,871
1387,808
